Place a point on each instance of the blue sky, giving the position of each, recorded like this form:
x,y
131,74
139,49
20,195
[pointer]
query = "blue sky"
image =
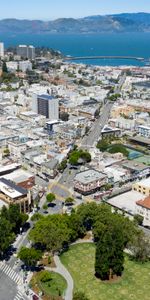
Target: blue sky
x,y
51,9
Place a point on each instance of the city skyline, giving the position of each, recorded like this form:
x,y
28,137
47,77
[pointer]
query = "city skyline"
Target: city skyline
x,y
49,10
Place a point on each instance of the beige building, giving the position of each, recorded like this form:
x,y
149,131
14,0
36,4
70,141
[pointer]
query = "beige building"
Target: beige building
x,y
89,181
142,186
121,109
13,194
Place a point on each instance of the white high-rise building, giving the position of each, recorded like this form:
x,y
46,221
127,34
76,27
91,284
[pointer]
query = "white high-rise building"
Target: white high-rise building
x,y
1,50
26,51
46,105
31,52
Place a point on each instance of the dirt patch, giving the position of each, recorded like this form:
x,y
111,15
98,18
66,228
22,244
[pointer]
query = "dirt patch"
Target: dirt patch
x,y
88,235
48,261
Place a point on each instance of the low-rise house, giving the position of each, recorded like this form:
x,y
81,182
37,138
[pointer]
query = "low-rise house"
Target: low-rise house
x,y
16,147
89,181
38,162
123,123
49,168
136,169
21,178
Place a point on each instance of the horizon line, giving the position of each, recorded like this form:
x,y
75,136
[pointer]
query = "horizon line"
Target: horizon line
x,y
76,18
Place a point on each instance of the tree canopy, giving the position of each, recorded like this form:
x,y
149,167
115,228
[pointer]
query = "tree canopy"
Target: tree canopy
x,y
77,155
51,231
29,256
50,197
11,220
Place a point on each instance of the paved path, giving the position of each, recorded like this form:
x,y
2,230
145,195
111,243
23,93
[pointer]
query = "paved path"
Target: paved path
x,y
60,269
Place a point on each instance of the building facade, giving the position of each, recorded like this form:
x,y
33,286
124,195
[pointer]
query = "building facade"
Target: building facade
x,y
143,209
144,131
142,186
13,194
46,105
27,52
1,50
89,181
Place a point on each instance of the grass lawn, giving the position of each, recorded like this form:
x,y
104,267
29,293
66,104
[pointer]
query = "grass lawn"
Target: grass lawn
x,y
134,284
55,287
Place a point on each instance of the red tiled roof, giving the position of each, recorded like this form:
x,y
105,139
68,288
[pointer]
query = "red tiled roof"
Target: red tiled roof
x,y
144,203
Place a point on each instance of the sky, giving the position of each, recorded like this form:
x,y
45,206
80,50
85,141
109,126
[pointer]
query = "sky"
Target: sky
x,y
52,9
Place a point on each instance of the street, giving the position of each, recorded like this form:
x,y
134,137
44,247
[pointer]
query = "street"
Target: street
x,y
8,288
94,134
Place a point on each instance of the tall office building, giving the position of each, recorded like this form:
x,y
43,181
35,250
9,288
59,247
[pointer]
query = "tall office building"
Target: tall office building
x,y
26,52
22,50
46,105
1,50
31,52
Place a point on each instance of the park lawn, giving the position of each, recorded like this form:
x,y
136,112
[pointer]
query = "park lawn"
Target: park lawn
x,y
55,287
134,284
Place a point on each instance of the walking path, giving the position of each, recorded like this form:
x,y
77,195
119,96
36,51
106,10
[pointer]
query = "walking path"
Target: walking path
x,y
60,269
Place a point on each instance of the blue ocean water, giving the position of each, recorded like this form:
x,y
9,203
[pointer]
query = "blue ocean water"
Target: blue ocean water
x,y
119,44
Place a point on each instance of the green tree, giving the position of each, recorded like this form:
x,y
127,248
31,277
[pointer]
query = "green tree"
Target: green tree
x,y
62,166
138,219
51,232
102,145
4,67
140,247
13,215
109,257
102,269
69,200
6,235
37,216
118,148
45,206
74,223
76,154
29,256
50,197
45,276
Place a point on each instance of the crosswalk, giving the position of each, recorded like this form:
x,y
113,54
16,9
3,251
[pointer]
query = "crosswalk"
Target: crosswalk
x,y
10,273
19,296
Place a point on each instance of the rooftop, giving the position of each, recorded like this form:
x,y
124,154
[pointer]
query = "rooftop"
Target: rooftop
x,y
18,176
144,203
145,182
45,97
141,139
90,175
126,201
10,189
134,166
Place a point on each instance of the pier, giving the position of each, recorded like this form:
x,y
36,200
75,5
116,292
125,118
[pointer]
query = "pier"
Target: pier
x,y
103,57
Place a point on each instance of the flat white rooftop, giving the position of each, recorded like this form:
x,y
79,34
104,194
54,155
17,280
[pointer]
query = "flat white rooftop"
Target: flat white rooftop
x,y
145,182
88,176
126,201
10,189
9,167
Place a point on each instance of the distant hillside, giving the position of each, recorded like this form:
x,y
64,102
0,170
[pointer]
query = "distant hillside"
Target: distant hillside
x,y
134,22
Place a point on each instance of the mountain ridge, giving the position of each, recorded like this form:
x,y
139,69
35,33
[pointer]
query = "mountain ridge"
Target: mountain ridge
x,y
124,22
